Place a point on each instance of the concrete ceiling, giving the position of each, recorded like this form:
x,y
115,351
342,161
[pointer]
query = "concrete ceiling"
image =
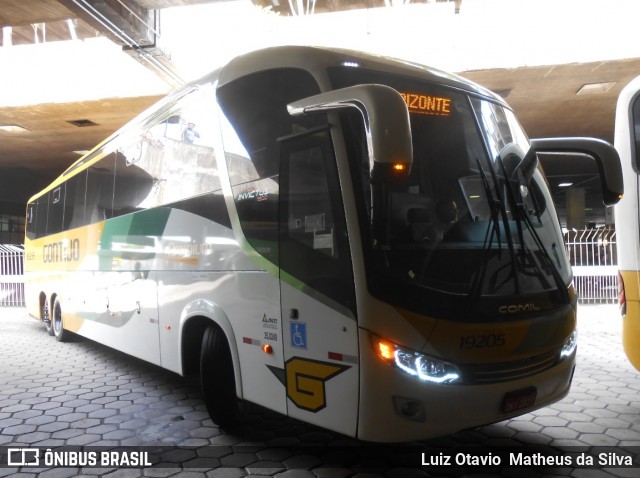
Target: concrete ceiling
x,y
544,98
28,162
546,102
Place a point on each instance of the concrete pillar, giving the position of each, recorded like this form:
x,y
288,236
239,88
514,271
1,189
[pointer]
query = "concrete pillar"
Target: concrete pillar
x,y
609,216
575,208
7,36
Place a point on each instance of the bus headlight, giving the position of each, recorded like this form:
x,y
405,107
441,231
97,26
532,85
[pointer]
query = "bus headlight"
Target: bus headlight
x,y
423,367
569,346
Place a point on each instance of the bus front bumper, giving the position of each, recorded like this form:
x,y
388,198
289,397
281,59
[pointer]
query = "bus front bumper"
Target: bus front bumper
x,y
395,407
631,332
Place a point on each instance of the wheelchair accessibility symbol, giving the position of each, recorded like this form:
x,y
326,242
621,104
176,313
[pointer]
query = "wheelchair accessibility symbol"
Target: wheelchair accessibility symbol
x,y
298,335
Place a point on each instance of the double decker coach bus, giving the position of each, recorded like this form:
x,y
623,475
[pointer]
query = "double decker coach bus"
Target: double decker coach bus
x,y
343,238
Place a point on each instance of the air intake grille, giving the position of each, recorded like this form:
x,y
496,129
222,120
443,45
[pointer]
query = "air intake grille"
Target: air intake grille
x,y
507,371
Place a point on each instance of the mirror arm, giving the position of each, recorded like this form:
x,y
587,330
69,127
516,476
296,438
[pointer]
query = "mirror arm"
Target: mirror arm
x,y
604,154
385,114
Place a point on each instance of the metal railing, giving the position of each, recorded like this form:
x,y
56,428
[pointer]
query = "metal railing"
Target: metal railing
x,y
594,259
11,275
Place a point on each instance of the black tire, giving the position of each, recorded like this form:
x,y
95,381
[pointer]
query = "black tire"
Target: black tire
x,y
46,317
57,324
217,377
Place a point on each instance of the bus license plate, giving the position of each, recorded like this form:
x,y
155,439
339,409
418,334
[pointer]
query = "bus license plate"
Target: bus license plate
x,y
518,400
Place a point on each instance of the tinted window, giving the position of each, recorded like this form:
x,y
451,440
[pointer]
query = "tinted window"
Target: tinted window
x,y
41,216
172,157
256,117
75,199
56,209
169,160
313,228
100,181
31,220
460,231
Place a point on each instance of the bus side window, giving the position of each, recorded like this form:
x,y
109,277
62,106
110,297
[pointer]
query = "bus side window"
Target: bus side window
x,y
41,217
170,158
100,180
31,220
75,200
313,230
56,209
310,218
131,187
253,116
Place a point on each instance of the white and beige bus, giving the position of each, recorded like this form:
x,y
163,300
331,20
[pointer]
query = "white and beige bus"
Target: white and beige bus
x,y
361,243
627,143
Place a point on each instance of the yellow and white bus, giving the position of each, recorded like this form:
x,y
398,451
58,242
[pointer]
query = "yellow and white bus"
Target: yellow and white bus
x,y
361,243
627,143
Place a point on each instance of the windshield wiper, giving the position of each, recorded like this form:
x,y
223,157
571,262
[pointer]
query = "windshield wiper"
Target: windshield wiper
x,y
555,273
494,204
512,150
521,174
494,208
505,222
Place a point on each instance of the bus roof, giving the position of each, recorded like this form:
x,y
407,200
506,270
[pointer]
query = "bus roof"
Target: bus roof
x,y
313,59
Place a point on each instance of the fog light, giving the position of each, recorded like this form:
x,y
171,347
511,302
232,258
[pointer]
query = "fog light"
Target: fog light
x,y
410,409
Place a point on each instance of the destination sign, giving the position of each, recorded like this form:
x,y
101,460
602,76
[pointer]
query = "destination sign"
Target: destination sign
x,y
427,105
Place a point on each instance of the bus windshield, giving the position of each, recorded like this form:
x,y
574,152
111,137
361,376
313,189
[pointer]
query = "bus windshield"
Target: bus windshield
x,y
469,224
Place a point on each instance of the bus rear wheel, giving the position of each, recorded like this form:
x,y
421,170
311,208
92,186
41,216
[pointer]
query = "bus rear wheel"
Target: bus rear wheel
x,y
57,324
217,377
46,317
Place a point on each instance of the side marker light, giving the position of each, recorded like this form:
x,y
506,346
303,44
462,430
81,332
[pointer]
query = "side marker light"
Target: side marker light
x,y
385,350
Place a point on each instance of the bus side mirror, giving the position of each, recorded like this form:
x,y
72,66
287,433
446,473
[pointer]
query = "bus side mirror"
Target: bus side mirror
x,y
603,153
386,121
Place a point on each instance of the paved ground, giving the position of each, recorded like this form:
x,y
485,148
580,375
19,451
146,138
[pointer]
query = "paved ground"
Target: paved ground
x,y
83,394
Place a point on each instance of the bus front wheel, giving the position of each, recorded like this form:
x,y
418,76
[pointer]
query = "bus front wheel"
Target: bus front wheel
x,y
57,324
217,377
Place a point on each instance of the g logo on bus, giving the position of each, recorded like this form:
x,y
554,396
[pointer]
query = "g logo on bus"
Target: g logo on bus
x,y
305,381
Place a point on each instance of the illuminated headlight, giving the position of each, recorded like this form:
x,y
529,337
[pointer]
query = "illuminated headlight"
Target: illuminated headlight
x,y
570,345
423,367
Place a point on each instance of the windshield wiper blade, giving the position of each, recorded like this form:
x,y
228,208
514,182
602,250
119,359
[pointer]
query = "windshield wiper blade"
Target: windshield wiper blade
x,y
505,221
520,212
494,203
513,196
555,273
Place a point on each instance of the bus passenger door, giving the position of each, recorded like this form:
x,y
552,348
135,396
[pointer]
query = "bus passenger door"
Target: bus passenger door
x,y
321,372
